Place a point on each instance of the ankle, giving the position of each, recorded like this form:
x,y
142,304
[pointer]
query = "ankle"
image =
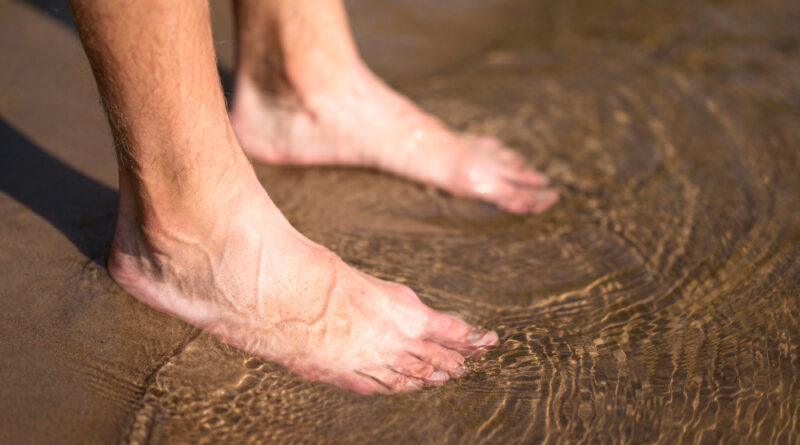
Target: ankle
x,y
192,200
298,86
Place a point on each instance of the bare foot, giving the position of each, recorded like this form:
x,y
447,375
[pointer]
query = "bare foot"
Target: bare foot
x,y
368,124
251,279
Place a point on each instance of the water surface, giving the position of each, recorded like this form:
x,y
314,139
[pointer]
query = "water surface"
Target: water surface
x,y
659,301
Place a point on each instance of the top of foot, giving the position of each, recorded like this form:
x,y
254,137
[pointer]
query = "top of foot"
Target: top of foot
x,y
369,124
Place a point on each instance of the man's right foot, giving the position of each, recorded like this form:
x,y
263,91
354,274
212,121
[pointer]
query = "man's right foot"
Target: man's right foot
x,y
239,270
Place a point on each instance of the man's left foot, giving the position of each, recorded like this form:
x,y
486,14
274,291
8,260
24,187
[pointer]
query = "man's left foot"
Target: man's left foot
x,y
368,124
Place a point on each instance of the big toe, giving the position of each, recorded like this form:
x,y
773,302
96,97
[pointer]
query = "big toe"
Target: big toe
x,y
456,334
528,200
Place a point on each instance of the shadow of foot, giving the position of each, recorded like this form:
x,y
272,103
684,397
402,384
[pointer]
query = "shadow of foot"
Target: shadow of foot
x,y
83,209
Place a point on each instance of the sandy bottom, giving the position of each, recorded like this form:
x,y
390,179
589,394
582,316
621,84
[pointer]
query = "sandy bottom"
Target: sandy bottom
x,y
658,302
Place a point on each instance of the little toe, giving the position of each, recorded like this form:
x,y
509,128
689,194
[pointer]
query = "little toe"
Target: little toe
x,y
360,384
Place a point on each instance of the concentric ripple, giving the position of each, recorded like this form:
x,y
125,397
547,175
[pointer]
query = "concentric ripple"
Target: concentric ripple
x,y
658,302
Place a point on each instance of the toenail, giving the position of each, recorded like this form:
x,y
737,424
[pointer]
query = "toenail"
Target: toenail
x,y
477,354
476,337
439,376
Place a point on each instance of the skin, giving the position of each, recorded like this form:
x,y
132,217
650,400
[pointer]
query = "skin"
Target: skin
x,y
305,97
199,238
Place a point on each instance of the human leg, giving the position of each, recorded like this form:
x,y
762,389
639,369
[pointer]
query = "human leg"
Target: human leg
x,y
304,97
198,237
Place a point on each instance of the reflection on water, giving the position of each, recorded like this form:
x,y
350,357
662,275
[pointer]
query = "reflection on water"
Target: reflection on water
x,y
658,302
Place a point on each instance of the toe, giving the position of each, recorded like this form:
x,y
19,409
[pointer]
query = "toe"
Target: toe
x,y
528,200
414,367
441,358
483,141
523,175
391,380
509,157
519,191
454,333
545,199
494,148
360,384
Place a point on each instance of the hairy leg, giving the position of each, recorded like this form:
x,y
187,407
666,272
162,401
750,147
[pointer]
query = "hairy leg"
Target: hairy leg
x,y
304,96
198,237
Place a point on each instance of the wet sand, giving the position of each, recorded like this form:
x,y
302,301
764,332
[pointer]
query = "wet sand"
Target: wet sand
x,y
658,302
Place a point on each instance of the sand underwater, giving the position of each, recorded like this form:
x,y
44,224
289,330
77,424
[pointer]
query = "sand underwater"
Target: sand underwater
x,y
659,301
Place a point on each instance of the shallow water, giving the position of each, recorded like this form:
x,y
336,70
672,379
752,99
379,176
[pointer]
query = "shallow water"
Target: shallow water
x,y
659,301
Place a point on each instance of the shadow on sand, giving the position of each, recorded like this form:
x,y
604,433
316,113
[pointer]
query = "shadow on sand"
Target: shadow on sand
x,y
83,209
80,207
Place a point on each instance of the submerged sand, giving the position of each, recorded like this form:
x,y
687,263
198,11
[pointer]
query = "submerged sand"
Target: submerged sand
x,y
658,302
